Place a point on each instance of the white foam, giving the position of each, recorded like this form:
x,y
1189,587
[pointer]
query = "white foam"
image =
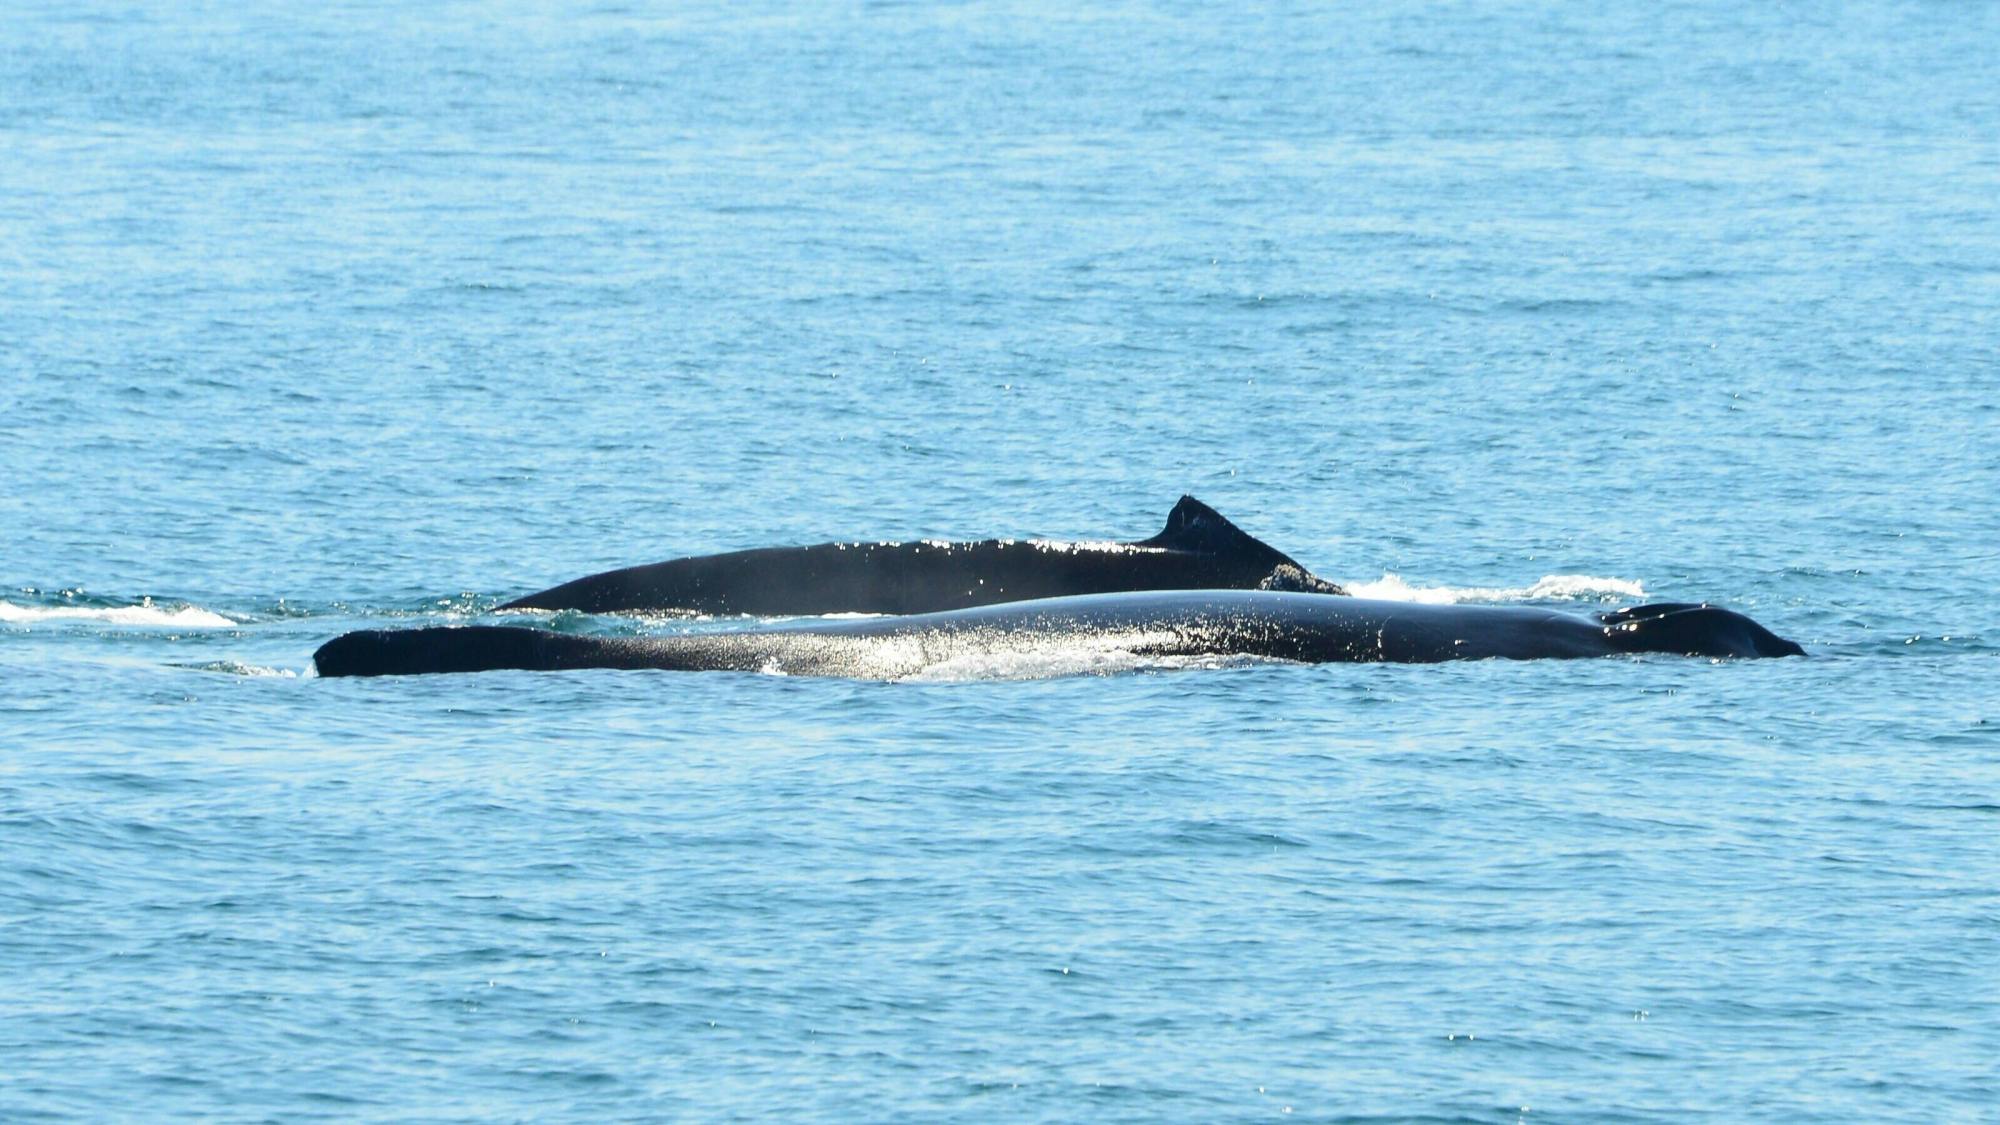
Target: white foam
x,y
143,614
1571,587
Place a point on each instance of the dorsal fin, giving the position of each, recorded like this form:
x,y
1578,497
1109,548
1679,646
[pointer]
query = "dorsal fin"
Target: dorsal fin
x,y
1194,526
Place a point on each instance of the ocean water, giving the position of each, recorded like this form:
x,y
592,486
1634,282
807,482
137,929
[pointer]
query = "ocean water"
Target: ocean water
x,y
315,317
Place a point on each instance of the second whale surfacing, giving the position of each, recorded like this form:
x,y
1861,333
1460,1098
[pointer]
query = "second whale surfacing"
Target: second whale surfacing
x,y
1198,549
1307,628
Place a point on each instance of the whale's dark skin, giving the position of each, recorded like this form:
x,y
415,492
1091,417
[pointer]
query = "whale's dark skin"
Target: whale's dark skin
x,y
1310,628
1197,550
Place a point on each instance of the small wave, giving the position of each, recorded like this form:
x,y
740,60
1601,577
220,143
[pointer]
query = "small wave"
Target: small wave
x,y
239,668
1570,587
145,613
1557,305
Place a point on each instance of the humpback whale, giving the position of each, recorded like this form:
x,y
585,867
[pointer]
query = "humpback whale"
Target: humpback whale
x,y
1309,628
1198,549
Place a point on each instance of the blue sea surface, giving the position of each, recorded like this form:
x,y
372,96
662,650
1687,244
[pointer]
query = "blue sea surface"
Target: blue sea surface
x,y
328,316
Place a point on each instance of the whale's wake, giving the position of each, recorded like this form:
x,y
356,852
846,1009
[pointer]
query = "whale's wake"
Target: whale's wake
x,y
1550,587
142,614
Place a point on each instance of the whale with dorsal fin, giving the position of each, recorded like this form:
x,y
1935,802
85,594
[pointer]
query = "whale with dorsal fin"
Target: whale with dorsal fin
x,y
1308,628
1198,549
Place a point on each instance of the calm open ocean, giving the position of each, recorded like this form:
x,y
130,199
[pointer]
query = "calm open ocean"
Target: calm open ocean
x,y
323,316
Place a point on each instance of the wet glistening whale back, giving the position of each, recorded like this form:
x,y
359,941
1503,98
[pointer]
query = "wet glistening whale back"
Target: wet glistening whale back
x,y
1198,549
1310,628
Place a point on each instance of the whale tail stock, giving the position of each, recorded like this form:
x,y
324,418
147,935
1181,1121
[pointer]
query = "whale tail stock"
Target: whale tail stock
x,y
1692,629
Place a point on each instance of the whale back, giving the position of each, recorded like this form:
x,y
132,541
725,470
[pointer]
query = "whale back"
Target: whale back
x,y
1202,623
1197,549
